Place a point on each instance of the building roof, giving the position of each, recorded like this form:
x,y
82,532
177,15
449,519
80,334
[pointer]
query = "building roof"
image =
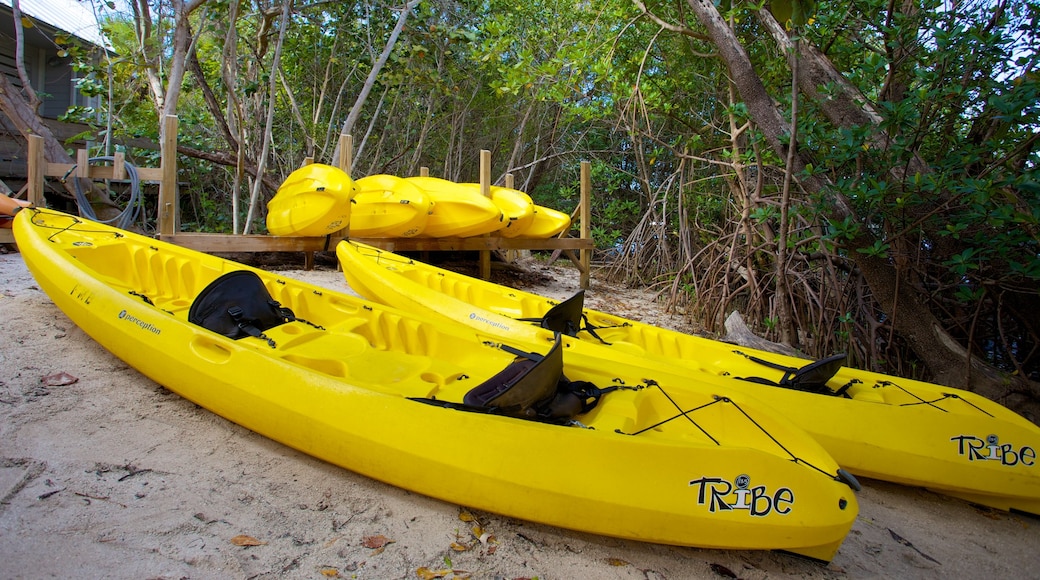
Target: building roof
x,y
72,16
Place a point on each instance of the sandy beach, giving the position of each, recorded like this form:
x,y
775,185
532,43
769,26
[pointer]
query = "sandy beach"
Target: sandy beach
x,y
106,474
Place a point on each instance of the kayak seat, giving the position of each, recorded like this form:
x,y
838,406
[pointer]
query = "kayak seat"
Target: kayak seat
x,y
236,305
530,380
567,317
812,377
532,387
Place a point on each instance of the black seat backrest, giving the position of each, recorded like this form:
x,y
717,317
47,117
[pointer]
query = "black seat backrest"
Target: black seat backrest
x,y
816,374
565,317
519,388
236,305
812,377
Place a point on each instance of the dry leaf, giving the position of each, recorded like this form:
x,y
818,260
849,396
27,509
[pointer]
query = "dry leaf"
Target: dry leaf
x,y
427,574
329,572
477,531
244,540
459,547
617,562
376,542
61,379
467,517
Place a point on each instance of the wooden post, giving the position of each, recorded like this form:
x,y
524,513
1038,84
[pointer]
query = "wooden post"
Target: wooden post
x,y
82,163
36,170
511,255
424,171
585,255
485,190
345,162
346,153
308,257
169,203
119,166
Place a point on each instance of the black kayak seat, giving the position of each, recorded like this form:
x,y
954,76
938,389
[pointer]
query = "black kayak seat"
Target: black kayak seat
x,y
519,388
812,377
566,316
236,305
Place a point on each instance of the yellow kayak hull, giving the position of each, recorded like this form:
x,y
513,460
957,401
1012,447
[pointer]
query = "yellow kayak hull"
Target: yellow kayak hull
x,y
517,208
894,429
387,206
547,223
458,212
353,386
314,200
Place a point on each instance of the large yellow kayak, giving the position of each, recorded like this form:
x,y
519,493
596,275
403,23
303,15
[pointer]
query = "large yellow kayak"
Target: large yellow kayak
x,y
874,425
387,206
314,200
442,409
458,212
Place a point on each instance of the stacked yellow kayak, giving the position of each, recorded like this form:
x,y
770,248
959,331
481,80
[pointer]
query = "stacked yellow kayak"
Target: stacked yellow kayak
x,y
874,425
509,426
314,200
458,212
389,206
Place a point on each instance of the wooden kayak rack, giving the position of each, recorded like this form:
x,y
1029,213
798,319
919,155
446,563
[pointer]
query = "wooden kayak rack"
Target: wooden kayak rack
x,y
578,250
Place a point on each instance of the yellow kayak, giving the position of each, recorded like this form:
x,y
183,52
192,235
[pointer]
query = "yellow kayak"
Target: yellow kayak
x,y
387,206
547,223
314,200
458,212
874,425
517,208
442,409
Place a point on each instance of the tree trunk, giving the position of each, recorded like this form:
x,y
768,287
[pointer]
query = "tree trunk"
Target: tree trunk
x,y
377,67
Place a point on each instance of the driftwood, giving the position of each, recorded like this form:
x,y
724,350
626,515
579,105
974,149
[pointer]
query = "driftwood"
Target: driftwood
x,y
737,332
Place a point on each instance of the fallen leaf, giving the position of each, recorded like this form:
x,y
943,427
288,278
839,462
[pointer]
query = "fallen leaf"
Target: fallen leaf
x,y
467,517
617,562
376,542
459,547
244,540
427,574
329,572
61,379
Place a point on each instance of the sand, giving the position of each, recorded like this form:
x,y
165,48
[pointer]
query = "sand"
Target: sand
x,y
106,474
